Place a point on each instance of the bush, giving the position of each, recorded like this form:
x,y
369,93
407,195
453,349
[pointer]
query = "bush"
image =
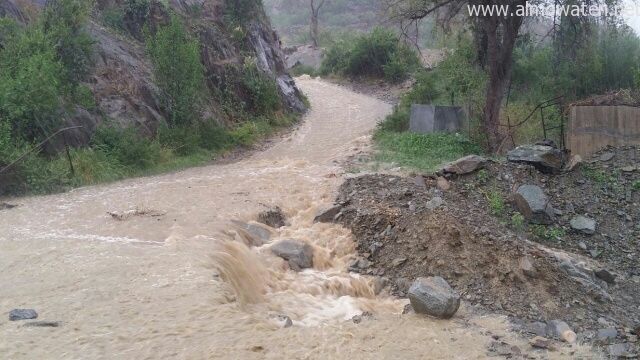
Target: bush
x,y
113,18
180,139
241,11
126,147
397,121
93,166
424,91
378,54
264,97
303,70
214,137
177,72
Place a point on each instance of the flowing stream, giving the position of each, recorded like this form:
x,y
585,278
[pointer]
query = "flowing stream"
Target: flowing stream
x,y
169,282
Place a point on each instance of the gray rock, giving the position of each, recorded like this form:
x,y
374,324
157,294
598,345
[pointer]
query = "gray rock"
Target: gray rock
x,y
606,275
435,203
299,253
544,158
284,319
604,335
327,213
433,296
607,156
555,328
257,234
621,350
582,245
399,261
538,328
419,180
527,268
574,272
464,165
378,284
583,224
533,204
22,314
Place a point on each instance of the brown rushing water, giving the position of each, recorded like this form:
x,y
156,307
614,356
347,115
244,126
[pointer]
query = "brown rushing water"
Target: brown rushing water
x,y
150,287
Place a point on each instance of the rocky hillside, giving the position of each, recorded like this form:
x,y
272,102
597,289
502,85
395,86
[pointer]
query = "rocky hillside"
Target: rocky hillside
x,y
122,84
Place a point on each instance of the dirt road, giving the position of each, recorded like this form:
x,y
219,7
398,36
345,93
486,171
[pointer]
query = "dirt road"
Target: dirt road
x,y
149,286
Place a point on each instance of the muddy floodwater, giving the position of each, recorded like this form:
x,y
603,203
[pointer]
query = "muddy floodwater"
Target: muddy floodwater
x,y
170,282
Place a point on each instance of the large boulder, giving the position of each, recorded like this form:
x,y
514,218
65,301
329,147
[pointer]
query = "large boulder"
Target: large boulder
x,y
300,254
533,204
464,165
583,224
545,158
433,296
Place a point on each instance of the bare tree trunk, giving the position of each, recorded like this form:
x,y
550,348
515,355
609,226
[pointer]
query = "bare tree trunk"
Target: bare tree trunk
x,y
315,11
500,44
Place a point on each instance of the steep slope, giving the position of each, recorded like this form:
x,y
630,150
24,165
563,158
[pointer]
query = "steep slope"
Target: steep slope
x,y
122,81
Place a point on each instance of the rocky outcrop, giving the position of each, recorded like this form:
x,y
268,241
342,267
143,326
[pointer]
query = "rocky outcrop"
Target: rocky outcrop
x,y
122,82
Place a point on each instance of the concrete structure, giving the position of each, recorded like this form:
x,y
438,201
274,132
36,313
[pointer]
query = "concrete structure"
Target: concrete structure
x,y
431,118
591,128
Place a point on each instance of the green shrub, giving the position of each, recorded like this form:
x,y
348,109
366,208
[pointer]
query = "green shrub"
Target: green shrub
x,y
303,70
177,72
94,166
397,121
496,204
180,139
241,11
424,90
214,137
65,23
113,18
264,97
378,55
248,133
336,57
130,151
245,134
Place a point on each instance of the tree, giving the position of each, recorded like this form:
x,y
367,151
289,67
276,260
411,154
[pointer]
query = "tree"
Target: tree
x,y
315,10
495,36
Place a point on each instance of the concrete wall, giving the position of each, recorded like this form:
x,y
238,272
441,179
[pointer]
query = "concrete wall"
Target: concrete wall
x,y
431,118
591,128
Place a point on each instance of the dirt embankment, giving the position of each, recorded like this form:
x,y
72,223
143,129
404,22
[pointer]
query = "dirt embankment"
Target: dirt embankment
x,y
477,243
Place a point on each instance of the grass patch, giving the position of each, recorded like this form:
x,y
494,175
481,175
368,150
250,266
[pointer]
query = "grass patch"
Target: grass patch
x,y
424,152
118,153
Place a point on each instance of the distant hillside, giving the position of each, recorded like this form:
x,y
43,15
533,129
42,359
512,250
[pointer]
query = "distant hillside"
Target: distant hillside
x,y
291,18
